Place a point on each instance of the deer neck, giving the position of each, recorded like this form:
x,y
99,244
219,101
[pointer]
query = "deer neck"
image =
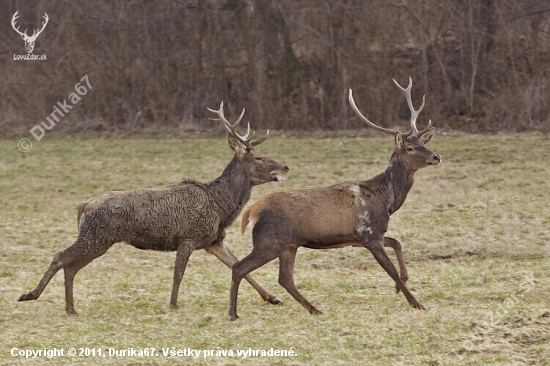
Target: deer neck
x,y
399,180
232,190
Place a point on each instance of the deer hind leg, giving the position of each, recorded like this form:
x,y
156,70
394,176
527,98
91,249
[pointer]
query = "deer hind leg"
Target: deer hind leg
x,y
377,249
271,237
224,254
286,278
60,260
396,246
182,256
70,271
253,261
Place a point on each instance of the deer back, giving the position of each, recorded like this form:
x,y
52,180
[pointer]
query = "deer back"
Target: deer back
x,y
153,218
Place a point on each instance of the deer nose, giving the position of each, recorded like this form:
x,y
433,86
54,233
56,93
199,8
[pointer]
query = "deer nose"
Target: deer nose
x,y
286,168
438,158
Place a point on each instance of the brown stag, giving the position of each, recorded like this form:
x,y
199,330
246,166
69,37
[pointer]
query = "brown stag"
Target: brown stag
x,y
346,214
181,217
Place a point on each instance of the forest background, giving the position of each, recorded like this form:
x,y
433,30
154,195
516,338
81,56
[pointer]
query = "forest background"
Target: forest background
x,y
157,65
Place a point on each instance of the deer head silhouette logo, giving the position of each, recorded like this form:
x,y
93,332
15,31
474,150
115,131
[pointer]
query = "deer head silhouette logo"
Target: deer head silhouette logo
x,y
29,41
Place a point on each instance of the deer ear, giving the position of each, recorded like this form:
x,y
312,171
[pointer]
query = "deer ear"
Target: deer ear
x,y
236,145
427,136
398,140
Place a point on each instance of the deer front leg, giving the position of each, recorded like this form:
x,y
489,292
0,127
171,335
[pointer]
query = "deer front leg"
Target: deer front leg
x,y
182,256
396,246
376,247
224,254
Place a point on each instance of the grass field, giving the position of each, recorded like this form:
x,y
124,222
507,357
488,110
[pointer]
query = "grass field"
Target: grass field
x,y
475,231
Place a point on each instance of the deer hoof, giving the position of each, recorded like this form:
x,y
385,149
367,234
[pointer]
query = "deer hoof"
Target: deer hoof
x,y
274,300
71,312
26,297
315,312
173,306
233,318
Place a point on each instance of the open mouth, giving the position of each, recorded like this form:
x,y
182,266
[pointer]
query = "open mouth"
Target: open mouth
x,y
277,177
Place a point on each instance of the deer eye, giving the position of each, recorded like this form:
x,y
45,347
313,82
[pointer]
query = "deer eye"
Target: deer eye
x,y
410,149
259,159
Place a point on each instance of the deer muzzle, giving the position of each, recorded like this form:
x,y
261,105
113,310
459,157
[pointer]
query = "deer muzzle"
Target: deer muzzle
x,y
436,159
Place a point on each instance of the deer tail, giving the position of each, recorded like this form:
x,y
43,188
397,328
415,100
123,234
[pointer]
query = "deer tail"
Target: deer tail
x,y
80,208
245,219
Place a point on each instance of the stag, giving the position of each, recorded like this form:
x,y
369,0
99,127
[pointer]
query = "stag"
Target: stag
x,y
346,214
181,217
29,41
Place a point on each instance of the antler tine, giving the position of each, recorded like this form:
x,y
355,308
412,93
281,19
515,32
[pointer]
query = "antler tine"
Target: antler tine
x,y
414,113
426,129
232,128
245,137
259,141
365,119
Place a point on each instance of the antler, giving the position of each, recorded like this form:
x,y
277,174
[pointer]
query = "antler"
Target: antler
x,y
15,16
365,119
232,128
414,113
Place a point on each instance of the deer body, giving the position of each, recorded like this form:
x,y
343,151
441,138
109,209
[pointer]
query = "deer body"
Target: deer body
x,y
181,217
346,214
186,210
330,217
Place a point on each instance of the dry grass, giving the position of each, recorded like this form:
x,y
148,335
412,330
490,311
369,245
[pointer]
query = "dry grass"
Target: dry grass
x,y
472,228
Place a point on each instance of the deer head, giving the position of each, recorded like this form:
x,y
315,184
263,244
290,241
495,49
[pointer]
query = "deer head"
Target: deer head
x,y
29,41
258,168
408,145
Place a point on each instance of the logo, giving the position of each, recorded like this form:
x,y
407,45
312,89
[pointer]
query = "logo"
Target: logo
x,y
29,40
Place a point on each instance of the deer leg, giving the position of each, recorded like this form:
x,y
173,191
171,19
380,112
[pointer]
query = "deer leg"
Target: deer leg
x,y
286,278
70,271
396,246
377,249
224,254
271,236
60,260
254,260
182,256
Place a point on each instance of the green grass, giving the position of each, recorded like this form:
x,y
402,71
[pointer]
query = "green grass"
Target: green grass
x,y
472,229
